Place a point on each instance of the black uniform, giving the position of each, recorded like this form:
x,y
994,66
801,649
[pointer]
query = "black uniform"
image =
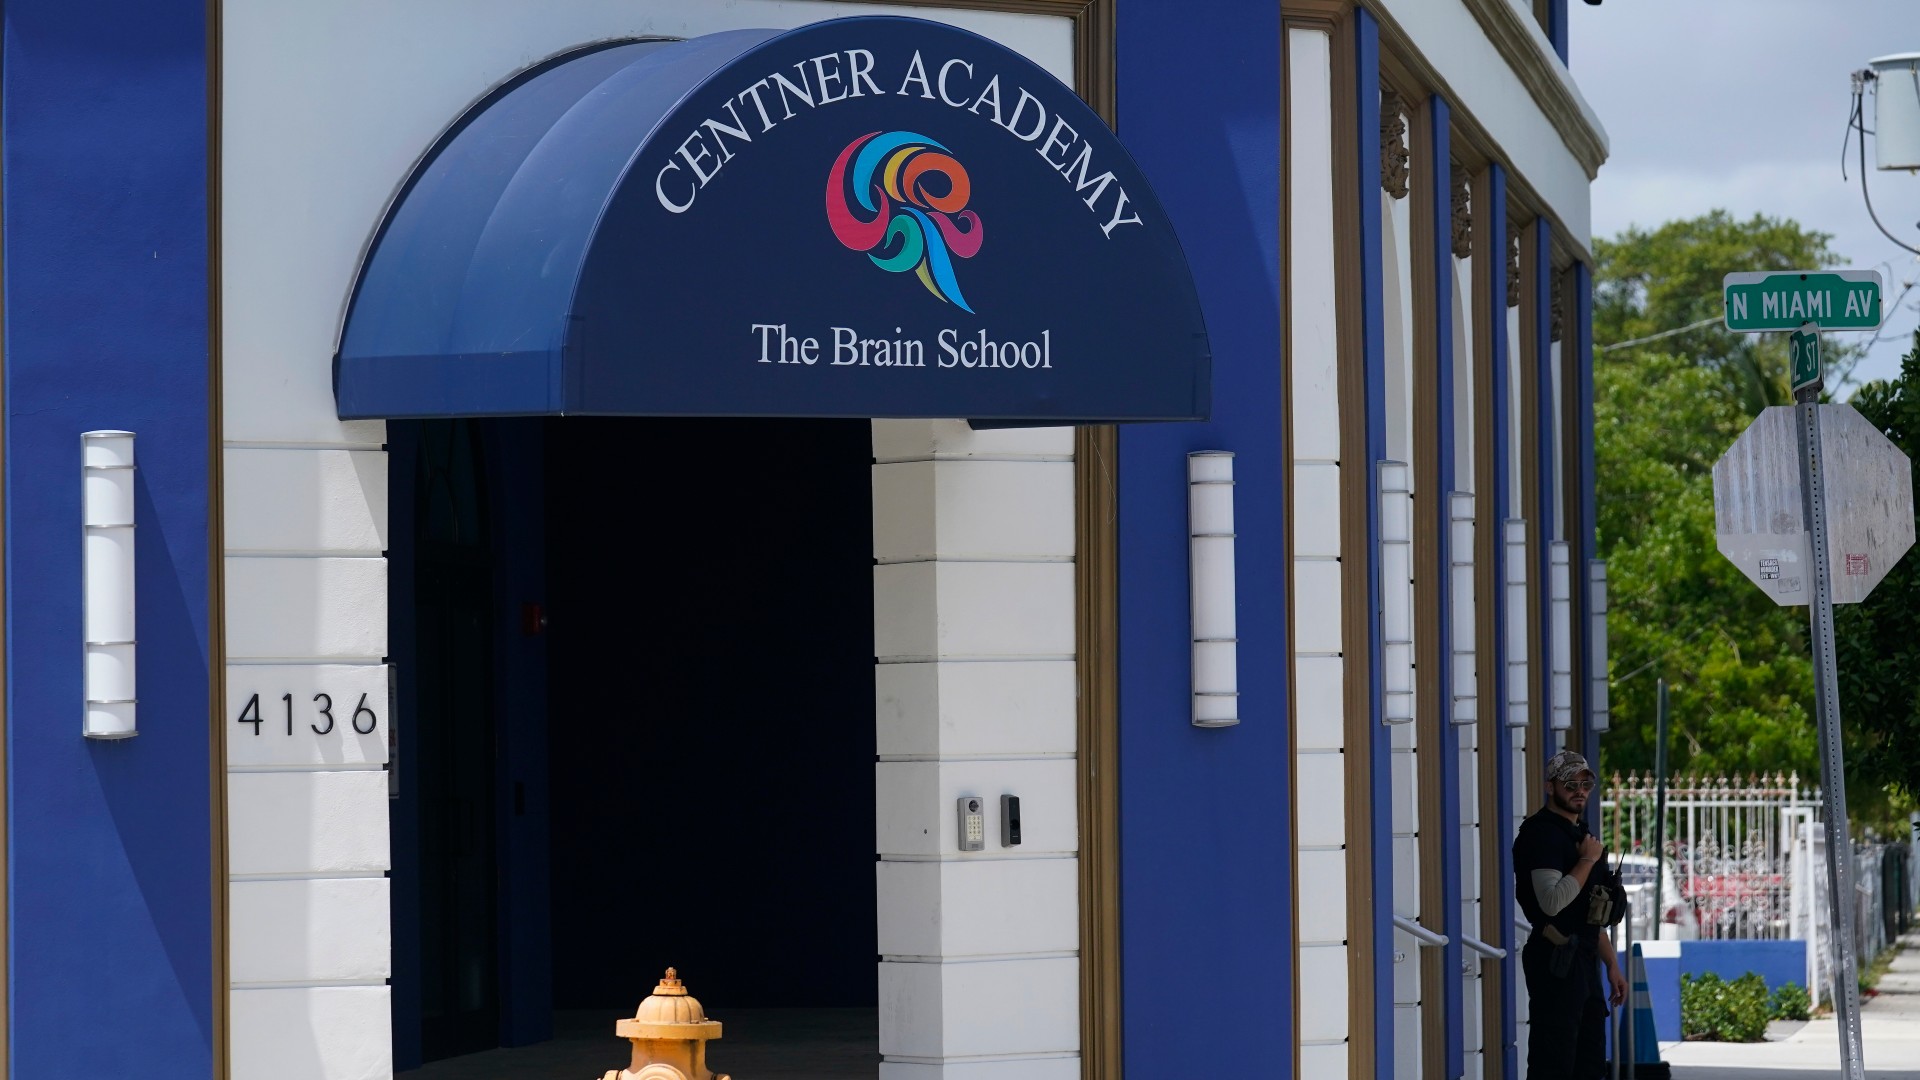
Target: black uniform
x,y
1567,1012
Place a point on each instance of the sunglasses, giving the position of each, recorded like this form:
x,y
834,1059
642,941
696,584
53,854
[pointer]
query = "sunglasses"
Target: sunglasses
x,y
1577,785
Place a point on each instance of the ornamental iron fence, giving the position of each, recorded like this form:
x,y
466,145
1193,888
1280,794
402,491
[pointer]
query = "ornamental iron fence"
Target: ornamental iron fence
x,y
1728,868
1746,859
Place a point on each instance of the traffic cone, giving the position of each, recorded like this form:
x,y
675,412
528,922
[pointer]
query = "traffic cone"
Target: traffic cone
x,y
1646,1041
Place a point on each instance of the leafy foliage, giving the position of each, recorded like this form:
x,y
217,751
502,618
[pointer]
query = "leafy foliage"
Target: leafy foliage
x,y
1715,1009
1878,641
1789,1001
1738,663
1664,412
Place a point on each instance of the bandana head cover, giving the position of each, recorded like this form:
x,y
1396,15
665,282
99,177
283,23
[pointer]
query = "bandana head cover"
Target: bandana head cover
x,y
1567,765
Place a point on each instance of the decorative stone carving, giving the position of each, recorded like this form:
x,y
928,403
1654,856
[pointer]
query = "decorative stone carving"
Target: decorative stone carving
x,y
1395,158
1513,263
1462,212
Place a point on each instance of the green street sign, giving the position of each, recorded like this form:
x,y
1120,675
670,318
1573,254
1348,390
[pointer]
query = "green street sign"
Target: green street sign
x,y
1804,346
1833,299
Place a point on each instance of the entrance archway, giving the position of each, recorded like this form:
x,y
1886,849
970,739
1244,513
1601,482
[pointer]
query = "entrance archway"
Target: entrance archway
x,y
889,219
644,734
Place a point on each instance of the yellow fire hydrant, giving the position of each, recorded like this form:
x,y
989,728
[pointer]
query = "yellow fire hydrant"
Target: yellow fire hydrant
x,y
669,1033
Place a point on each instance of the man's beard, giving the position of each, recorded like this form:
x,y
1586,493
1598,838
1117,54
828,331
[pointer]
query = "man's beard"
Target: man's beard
x,y
1564,804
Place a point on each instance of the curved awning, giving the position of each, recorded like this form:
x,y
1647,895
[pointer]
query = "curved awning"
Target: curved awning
x,y
861,217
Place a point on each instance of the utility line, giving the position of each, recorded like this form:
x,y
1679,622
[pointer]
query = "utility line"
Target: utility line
x,y
1708,321
1671,649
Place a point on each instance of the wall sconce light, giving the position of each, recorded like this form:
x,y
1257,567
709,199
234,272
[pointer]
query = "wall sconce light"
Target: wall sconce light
x,y
1560,579
1597,675
1466,678
1396,591
1211,586
1516,605
107,578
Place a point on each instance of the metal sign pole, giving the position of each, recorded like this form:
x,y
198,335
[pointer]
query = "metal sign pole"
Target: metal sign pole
x,y
1660,812
1624,1058
1833,779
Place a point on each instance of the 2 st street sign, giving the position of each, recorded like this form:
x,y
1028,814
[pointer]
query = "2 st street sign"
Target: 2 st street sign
x,y
1833,299
1804,347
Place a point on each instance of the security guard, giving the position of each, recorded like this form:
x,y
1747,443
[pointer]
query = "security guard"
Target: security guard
x,y
1568,895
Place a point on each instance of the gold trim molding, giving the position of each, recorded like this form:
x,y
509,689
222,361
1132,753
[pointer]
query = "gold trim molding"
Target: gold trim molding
x,y
1522,44
1518,40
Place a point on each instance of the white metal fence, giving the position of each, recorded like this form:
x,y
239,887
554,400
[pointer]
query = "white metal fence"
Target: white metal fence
x,y
1728,864
1884,901
1745,859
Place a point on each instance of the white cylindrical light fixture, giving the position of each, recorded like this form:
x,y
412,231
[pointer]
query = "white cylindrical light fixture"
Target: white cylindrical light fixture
x,y
1516,605
1560,582
1896,111
107,582
1599,712
1211,587
1465,624
1396,591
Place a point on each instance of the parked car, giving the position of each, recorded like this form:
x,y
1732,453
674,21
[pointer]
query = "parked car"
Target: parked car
x,y
1740,904
1677,919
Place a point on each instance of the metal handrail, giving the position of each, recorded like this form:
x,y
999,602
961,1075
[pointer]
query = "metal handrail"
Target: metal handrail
x,y
1483,948
1425,937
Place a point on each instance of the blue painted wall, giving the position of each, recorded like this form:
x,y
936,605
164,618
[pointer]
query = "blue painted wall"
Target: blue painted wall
x,y
1663,993
1440,729
1494,674
110,874
1776,962
1546,418
1205,814
1366,90
1579,365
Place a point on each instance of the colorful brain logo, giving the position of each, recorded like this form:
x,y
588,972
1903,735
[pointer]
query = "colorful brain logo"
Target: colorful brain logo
x,y
917,195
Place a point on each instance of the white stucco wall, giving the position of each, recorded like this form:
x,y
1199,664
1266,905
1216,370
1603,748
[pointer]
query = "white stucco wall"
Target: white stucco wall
x,y
1396,261
1313,434
974,634
325,108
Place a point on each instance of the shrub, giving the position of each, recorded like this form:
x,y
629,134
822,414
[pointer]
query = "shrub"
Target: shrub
x,y
1790,1001
1712,1008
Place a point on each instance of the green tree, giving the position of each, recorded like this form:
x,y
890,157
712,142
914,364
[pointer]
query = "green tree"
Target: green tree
x,y
1878,641
1664,412
1737,662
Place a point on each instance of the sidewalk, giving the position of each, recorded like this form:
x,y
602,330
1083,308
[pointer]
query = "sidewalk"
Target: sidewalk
x,y
1890,1028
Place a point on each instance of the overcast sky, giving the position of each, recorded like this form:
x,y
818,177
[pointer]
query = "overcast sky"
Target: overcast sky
x,y
1742,104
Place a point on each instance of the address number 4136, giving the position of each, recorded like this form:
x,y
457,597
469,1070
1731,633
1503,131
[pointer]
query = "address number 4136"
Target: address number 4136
x,y
321,722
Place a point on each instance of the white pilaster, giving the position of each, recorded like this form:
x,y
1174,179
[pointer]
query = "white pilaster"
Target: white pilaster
x,y
1397,271
974,640
1467,774
309,955
1313,495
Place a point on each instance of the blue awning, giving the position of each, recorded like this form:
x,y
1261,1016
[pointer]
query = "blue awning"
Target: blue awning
x,y
862,217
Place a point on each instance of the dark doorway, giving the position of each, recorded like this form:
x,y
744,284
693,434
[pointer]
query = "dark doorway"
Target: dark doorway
x,y
711,722
453,742
658,671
